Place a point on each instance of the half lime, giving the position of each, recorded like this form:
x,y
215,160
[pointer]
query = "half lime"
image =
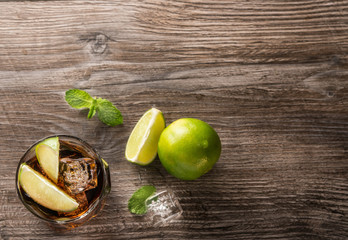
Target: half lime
x,y
141,147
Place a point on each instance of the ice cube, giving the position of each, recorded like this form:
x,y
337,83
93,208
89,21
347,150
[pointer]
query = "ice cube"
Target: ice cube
x,y
78,175
162,208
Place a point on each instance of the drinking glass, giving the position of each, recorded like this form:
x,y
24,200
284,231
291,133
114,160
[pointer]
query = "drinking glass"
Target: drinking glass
x,y
97,197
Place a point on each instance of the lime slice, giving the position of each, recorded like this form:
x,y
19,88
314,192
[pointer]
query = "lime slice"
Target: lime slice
x,y
44,192
141,147
47,153
53,142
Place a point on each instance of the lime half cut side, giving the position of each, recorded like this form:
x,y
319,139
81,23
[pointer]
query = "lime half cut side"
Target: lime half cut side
x,y
44,192
47,153
142,144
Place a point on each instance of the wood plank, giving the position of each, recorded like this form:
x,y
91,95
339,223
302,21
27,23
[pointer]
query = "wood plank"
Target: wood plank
x,y
157,32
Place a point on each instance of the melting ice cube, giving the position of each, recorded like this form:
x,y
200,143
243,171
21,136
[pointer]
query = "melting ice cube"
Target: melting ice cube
x,y
78,175
162,208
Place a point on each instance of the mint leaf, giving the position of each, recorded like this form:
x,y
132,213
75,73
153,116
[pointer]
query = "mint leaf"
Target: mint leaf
x,y
78,98
93,109
136,204
108,113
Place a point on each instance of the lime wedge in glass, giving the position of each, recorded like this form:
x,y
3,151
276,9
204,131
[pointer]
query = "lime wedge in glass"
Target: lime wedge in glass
x,y
44,192
141,147
47,153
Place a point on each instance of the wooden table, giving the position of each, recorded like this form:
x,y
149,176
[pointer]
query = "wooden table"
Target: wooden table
x,y
270,76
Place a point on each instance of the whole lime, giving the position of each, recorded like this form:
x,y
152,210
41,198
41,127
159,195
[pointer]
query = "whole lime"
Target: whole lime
x,y
189,148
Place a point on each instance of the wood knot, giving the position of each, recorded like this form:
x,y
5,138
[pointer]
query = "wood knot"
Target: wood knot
x,y
327,83
99,44
96,43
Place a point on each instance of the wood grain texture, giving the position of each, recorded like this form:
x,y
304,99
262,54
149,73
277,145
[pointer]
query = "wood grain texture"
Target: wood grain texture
x,y
270,76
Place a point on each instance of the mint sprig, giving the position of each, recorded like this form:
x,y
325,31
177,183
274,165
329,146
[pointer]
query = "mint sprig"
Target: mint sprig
x,y
106,111
137,203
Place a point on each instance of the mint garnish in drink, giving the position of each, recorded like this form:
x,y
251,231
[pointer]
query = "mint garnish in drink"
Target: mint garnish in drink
x,y
107,112
137,203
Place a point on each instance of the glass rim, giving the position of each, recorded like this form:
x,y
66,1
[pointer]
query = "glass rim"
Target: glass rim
x,y
90,208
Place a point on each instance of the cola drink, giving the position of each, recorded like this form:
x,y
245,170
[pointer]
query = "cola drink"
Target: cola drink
x,y
83,175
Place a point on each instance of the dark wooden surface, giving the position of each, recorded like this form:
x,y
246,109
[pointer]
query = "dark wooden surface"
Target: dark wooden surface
x,y
270,76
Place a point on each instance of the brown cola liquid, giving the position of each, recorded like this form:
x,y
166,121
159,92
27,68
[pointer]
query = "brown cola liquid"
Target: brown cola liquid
x,y
85,199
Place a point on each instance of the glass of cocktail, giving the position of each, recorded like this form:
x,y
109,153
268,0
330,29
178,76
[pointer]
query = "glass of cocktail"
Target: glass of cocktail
x,y
62,180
